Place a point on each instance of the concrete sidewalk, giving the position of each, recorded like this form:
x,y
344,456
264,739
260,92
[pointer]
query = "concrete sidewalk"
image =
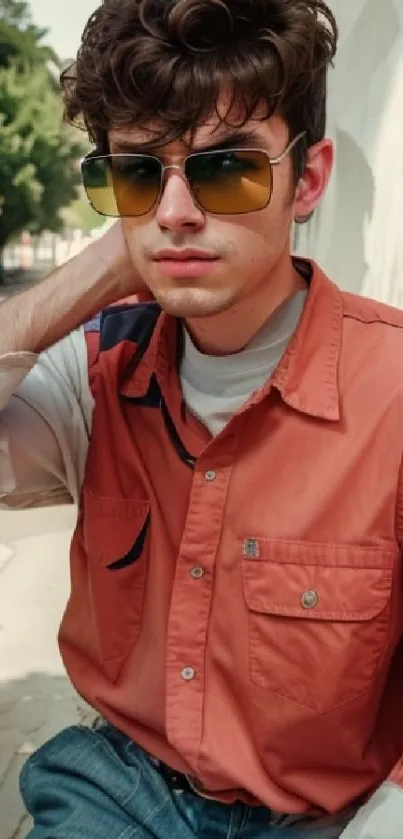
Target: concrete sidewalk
x,y
36,699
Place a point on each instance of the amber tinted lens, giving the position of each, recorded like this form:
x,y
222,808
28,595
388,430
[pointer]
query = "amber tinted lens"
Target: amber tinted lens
x,y
230,182
122,185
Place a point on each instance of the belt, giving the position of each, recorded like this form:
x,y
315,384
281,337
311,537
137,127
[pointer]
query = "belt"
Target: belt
x,y
181,783
175,780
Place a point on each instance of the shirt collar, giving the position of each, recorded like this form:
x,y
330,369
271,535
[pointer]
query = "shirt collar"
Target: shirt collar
x,y
160,358
307,376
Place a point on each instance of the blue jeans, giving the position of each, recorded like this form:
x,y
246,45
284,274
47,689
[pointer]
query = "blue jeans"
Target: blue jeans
x,y
97,784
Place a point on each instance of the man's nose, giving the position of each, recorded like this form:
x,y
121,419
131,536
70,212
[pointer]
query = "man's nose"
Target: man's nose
x,y
177,208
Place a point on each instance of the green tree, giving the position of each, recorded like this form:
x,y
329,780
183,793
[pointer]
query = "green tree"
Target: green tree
x,y
15,12
38,154
19,37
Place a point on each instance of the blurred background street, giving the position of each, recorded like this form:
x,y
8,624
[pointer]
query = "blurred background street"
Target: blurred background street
x,y
36,699
45,219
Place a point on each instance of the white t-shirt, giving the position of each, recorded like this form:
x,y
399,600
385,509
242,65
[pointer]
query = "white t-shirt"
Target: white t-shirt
x,y
216,387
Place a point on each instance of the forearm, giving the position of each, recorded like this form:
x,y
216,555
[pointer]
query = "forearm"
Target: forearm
x,y
39,317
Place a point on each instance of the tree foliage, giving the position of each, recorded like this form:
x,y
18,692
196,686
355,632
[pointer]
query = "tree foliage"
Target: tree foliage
x,y
19,37
38,154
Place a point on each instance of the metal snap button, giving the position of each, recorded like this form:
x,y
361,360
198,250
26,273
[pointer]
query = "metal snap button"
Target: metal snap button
x,y
188,674
197,573
210,475
309,599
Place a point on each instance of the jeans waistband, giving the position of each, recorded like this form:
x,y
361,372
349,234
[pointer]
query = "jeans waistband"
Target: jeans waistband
x,y
181,783
185,783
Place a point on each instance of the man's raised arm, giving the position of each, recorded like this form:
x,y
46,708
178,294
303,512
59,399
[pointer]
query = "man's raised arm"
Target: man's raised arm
x,y
45,400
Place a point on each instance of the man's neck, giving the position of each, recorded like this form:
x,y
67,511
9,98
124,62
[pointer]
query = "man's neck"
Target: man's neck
x,y
231,331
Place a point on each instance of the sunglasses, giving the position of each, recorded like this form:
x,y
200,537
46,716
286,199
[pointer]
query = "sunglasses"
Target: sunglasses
x,y
229,182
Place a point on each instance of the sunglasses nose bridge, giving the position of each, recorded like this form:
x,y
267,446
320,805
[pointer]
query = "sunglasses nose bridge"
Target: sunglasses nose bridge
x,y
165,168
176,167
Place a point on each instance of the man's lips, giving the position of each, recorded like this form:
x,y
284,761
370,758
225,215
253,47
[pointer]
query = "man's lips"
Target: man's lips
x,y
185,264
184,255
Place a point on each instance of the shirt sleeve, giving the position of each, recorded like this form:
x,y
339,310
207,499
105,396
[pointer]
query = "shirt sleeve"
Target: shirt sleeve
x,y
46,410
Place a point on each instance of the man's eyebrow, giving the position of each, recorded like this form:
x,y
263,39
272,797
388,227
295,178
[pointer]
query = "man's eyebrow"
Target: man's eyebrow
x,y
120,144
237,139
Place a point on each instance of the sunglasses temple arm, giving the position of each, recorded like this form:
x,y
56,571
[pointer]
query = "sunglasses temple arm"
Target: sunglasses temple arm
x,y
276,160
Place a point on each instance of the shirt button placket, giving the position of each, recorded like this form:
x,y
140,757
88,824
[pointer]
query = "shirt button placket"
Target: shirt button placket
x,y
190,610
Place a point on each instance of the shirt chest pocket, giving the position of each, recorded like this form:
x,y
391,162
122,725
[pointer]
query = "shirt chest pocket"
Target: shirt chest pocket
x,y
318,619
116,542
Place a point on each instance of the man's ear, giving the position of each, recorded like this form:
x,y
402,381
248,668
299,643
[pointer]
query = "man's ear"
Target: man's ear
x,y
315,179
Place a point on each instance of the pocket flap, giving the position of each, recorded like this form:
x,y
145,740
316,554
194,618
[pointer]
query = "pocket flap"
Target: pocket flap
x,y
115,529
328,591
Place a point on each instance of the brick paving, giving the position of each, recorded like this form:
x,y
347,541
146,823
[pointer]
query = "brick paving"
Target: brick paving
x,y
36,699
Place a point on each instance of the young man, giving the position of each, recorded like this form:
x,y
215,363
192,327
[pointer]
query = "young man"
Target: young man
x,y
233,436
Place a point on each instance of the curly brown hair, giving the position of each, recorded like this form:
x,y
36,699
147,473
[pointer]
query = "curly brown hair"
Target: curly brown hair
x,y
165,62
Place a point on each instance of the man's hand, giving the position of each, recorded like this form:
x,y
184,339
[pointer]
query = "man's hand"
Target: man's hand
x,y
380,818
112,252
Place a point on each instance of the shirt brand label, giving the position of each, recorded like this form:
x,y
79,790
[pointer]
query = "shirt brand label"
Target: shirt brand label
x,y
251,549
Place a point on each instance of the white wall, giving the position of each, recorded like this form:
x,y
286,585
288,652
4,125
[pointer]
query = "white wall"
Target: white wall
x,y
357,234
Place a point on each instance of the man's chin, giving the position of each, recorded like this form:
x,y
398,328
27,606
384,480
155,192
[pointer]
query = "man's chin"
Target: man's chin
x,y
193,303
